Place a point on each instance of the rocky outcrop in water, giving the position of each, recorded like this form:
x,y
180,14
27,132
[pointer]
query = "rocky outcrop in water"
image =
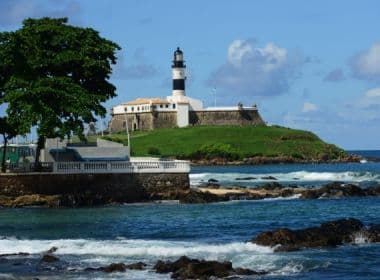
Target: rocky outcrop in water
x,y
186,268
118,267
337,189
328,234
194,196
48,258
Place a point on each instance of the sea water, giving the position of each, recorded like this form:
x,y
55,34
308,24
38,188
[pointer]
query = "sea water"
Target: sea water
x,y
93,237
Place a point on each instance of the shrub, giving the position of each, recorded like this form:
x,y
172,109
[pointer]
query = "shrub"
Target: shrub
x,y
216,150
153,151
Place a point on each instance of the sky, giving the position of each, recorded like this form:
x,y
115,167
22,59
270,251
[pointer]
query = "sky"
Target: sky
x,y
311,65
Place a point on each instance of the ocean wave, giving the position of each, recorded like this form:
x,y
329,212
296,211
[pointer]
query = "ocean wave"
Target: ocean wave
x,y
298,176
82,253
128,247
296,196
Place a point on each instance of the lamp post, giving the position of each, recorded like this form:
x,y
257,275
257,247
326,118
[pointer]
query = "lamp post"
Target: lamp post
x,y
127,130
214,92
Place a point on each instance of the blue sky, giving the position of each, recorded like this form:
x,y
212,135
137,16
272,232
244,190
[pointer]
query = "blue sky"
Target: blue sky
x,y
311,65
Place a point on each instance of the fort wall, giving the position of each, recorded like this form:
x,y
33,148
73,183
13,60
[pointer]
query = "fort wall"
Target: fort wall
x,y
154,120
90,189
236,117
143,121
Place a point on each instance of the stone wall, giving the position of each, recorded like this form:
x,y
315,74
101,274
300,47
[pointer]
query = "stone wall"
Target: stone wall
x,y
238,117
143,121
164,119
153,120
91,189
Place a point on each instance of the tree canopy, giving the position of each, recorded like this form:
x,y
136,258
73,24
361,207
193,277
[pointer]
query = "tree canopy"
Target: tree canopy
x,y
55,76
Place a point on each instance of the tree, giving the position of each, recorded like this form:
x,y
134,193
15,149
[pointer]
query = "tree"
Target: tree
x,y
55,76
10,128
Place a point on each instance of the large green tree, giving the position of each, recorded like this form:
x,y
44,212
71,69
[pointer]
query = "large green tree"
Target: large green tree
x,y
56,76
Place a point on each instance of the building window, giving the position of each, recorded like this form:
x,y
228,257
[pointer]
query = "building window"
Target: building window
x,y
167,106
138,108
173,106
161,106
125,109
133,109
154,107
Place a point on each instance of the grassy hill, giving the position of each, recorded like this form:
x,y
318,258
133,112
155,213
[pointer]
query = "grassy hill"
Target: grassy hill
x,y
230,142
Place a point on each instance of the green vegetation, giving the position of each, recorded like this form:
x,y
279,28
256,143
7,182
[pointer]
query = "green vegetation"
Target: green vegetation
x,y
230,142
54,76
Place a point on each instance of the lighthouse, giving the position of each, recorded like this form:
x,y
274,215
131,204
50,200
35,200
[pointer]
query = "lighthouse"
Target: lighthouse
x,y
178,74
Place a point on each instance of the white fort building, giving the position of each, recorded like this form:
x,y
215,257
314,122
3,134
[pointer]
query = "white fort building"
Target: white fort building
x,y
178,110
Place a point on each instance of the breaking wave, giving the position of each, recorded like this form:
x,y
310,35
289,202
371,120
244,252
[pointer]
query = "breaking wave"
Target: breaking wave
x,y
129,248
291,177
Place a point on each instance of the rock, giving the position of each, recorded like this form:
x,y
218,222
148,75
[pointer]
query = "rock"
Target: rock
x,y
287,192
29,200
52,250
186,268
212,183
246,178
49,258
212,180
193,196
22,254
136,266
373,233
268,178
245,271
114,267
335,189
271,186
373,191
328,234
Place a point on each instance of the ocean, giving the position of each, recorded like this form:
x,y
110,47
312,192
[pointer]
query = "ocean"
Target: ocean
x,y
147,232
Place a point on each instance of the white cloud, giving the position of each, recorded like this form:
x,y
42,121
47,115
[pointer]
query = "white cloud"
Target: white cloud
x,y
309,107
256,71
375,92
237,50
366,65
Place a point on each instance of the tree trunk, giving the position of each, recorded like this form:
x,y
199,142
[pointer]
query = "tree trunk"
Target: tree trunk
x,y
40,146
3,169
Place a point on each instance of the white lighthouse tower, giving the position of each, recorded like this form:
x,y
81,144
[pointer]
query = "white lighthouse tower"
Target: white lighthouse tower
x,y
178,74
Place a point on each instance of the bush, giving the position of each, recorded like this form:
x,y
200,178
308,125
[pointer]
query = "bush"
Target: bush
x,y
298,156
153,151
217,150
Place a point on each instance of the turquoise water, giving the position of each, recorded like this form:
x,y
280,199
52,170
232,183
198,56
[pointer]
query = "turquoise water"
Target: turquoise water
x,y
91,237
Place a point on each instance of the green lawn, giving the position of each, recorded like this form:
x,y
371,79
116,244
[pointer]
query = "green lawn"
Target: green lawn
x,y
240,141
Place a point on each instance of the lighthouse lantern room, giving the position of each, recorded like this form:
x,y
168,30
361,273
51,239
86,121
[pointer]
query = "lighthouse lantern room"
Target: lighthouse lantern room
x,y
178,74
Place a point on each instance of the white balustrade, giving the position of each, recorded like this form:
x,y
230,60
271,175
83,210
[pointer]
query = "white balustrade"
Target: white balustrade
x,y
136,166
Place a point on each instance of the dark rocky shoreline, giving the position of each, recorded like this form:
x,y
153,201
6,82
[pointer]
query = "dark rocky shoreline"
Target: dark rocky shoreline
x,y
209,193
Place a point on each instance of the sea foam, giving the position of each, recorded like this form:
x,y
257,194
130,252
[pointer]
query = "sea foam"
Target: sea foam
x,y
298,176
128,247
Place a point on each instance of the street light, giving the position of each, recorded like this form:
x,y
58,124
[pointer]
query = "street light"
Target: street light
x,y
127,130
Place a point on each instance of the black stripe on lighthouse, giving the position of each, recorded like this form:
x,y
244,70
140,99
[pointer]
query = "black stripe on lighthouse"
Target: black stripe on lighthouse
x,y
179,84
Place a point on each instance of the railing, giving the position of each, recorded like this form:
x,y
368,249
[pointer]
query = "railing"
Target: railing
x,y
136,166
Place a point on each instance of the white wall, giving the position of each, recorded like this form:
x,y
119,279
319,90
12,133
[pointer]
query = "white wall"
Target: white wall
x,y
182,115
